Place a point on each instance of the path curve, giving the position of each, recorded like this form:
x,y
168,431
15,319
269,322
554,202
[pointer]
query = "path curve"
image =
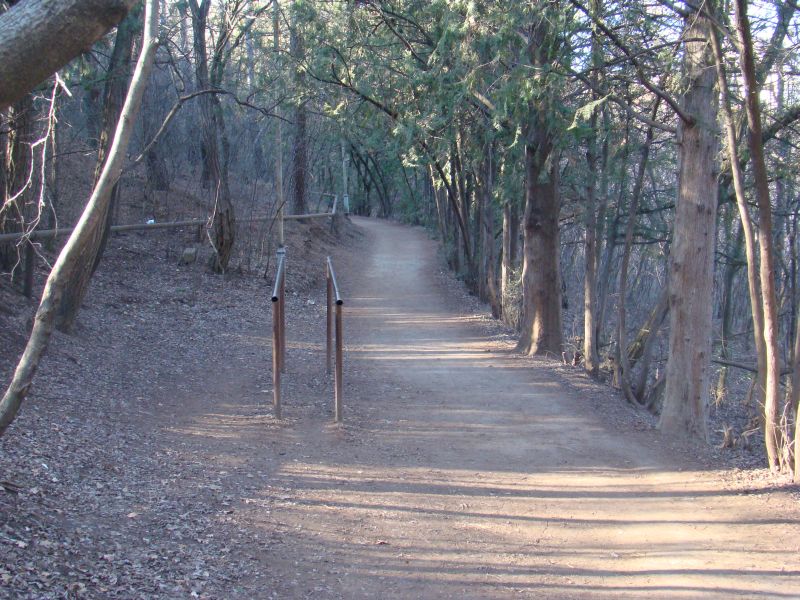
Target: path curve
x,y
458,474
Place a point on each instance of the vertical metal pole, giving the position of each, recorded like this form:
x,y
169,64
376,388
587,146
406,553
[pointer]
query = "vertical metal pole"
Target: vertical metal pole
x,y
276,359
30,266
329,320
282,302
338,373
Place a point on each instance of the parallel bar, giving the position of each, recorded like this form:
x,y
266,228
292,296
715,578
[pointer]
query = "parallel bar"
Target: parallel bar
x,y
337,295
337,378
46,234
308,216
328,319
276,362
278,332
335,302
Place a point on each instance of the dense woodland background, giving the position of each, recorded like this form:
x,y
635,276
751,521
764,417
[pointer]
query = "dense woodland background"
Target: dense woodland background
x,y
618,180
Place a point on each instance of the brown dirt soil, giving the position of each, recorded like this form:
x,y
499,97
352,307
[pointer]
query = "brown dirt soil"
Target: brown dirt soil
x,y
149,464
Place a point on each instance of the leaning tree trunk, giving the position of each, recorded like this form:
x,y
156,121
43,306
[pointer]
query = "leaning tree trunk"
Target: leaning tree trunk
x,y
692,254
86,230
38,37
115,91
766,254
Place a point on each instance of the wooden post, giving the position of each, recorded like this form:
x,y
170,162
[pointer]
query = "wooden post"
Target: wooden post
x,y
338,373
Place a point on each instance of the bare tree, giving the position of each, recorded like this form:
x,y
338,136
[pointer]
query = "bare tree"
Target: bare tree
x,y
37,37
87,228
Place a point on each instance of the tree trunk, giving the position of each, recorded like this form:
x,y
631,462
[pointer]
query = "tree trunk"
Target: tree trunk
x,y
300,150
18,193
766,253
223,213
684,412
795,401
114,94
541,285
85,232
488,237
38,37
750,244
623,363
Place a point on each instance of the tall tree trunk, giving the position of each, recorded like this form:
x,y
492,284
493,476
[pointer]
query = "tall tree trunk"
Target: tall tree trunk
x,y
299,142
541,283
750,244
507,265
795,401
488,236
692,256
223,213
765,244
623,362
19,192
86,231
591,359
114,94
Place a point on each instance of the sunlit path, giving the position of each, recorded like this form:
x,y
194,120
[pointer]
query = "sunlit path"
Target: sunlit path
x,y
457,474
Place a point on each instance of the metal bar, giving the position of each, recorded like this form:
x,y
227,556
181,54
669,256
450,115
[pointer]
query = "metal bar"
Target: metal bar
x,y
276,361
282,302
46,234
328,319
335,300
308,216
338,398
337,295
278,332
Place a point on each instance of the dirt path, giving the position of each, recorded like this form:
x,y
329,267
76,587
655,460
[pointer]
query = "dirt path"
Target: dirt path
x,y
462,470
458,474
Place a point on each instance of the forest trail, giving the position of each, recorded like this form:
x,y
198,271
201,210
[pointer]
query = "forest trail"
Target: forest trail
x,y
459,473
150,465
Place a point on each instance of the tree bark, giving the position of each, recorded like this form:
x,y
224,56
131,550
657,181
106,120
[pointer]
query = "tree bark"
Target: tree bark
x,y
795,401
88,227
114,95
507,265
765,244
223,213
38,37
684,412
623,362
750,243
541,283
300,149
18,176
